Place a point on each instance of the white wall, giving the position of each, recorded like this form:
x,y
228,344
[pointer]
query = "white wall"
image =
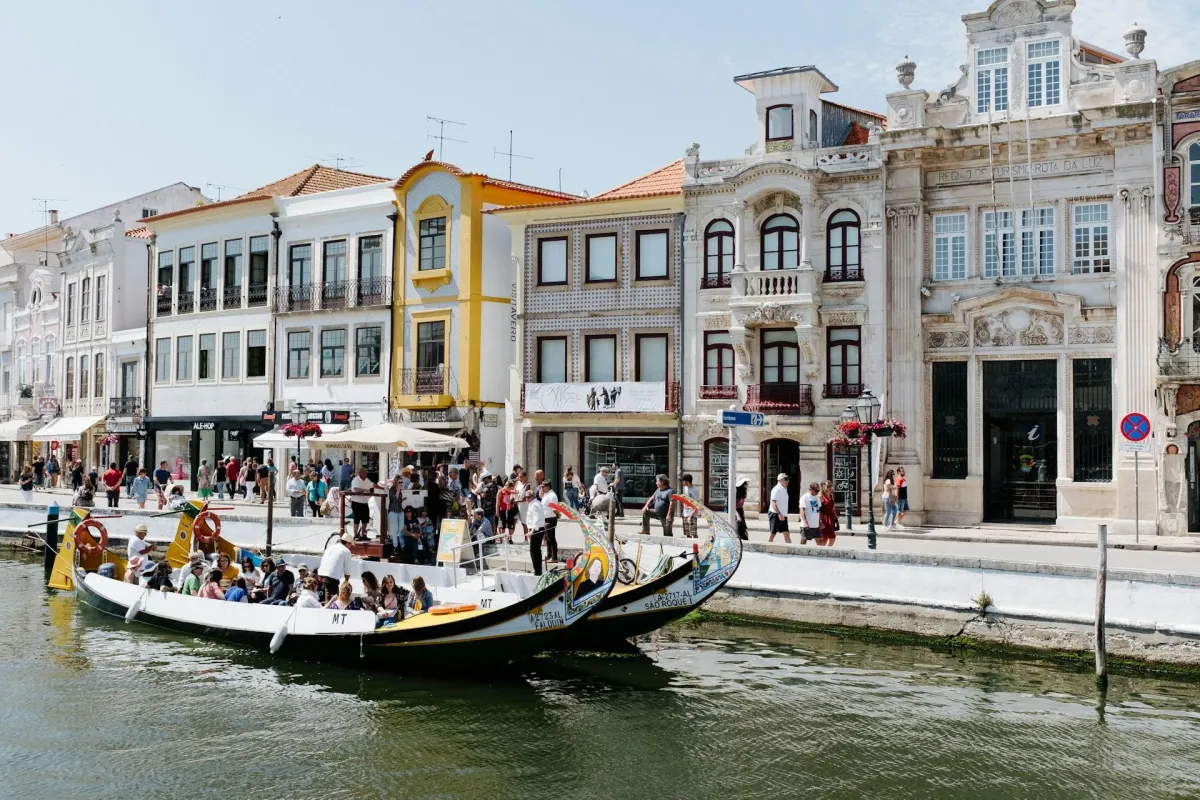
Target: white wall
x,y
499,270
497,353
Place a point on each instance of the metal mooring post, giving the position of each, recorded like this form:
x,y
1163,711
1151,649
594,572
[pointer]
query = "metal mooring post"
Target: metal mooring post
x,y
50,537
1101,586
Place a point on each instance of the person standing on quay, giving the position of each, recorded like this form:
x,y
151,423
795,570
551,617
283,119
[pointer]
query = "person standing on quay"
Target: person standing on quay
x,y
829,519
777,520
810,511
660,502
112,484
548,497
296,492
689,514
535,529
618,490
130,474
54,469
219,478
901,497
39,474
162,479
204,480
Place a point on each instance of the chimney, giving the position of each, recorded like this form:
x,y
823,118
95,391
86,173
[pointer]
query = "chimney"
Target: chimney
x,y
54,216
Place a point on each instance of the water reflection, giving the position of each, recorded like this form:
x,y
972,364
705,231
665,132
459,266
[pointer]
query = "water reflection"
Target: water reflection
x,y
708,710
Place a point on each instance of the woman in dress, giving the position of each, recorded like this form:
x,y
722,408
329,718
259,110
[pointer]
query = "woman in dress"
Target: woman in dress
x,y
141,487
829,520
204,480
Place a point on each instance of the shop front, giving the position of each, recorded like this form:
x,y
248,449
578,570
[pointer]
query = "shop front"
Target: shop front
x,y
641,454
70,439
184,444
16,446
121,442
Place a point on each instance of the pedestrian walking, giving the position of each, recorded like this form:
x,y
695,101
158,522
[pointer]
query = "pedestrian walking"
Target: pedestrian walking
x,y
618,490
162,480
220,479
113,478
573,488
76,475
901,497
810,513
130,473
25,481
829,518
690,520
777,521
55,469
659,503
888,496
204,477
141,488
39,474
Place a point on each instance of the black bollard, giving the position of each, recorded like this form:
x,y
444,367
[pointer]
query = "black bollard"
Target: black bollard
x,y
50,537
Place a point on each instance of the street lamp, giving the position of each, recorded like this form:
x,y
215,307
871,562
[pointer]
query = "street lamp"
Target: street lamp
x,y
867,407
847,416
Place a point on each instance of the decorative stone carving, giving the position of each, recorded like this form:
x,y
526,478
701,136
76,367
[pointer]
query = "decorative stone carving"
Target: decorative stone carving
x,y
782,146
906,70
711,323
840,158
1098,334
694,150
1020,12
768,313
777,200
902,211
1170,400
942,339
1019,327
1135,40
1171,193
1188,399
702,426
841,318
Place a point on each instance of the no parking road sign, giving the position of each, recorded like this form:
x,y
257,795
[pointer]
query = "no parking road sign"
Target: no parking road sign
x,y
1135,427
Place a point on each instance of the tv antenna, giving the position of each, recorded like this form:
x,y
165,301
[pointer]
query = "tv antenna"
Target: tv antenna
x,y
340,162
45,210
220,187
441,134
511,155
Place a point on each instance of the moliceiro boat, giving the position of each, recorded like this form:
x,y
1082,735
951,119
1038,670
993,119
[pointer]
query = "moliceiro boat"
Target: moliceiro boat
x,y
465,628
677,586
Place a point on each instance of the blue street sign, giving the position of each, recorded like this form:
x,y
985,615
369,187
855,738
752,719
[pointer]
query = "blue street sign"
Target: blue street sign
x,y
1135,427
749,419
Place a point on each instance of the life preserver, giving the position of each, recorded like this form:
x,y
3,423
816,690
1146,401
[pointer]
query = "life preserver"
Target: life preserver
x,y
95,530
206,527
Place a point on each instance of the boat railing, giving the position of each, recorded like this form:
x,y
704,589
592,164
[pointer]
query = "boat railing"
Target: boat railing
x,y
478,559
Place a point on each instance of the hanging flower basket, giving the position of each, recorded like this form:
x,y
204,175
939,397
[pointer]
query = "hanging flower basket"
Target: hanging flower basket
x,y
305,430
852,433
110,439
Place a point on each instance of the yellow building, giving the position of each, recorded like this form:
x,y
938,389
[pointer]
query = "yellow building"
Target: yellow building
x,y
454,325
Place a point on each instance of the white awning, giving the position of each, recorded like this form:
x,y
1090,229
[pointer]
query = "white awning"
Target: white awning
x,y
18,430
275,440
66,429
389,436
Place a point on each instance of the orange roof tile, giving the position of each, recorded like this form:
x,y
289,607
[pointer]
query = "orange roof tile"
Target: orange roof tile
x,y
138,233
487,180
662,182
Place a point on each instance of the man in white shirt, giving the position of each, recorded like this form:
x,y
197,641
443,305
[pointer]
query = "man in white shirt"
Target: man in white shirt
x,y
297,492
535,524
777,520
360,504
335,564
138,546
689,514
600,482
548,497
810,510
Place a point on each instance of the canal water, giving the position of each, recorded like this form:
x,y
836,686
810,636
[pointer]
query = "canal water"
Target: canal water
x,y
95,708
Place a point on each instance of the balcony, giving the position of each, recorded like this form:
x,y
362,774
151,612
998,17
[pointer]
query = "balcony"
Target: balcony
x,y
784,399
162,304
718,393
426,388
1179,359
295,298
187,302
616,397
716,281
231,297
334,296
371,292
125,407
258,294
841,390
208,298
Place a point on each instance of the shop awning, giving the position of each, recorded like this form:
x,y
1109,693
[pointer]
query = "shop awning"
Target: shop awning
x,y
66,429
388,436
18,430
275,440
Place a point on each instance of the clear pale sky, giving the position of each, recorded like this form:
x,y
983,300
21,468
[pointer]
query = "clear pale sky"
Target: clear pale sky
x,y
103,101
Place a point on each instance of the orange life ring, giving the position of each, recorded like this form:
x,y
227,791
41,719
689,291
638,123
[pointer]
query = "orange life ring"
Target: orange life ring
x,y
461,607
88,526
441,611
206,527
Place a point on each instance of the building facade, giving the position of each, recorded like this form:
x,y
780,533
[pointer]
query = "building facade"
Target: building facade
x,y
784,287
452,313
1021,286
598,332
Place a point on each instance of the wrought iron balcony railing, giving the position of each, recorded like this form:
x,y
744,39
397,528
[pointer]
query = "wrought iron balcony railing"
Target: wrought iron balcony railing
x,y
232,297
208,299
780,398
162,303
835,390
124,406
718,392
716,281
257,296
187,302
335,295
428,381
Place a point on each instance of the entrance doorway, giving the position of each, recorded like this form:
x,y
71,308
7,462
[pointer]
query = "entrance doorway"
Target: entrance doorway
x,y
1020,425
781,455
1193,480
129,371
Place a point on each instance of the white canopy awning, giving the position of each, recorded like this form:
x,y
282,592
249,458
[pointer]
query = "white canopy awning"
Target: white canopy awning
x,y
275,439
388,437
66,429
18,430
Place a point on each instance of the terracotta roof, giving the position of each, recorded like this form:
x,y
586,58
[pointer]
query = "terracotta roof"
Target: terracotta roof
x,y
309,180
138,233
487,180
875,114
856,135
662,182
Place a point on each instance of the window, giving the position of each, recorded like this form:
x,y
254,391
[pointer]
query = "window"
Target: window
x,y
101,299
183,358
370,265
334,263
999,245
1002,248
780,357
1091,239
552,261
432,234
1043,74
256,354
813,126
187,264
431,345
208,265
166,267
843,245
718,359
259,256
70,387
780,243
650,255
552,359
85,300
1194,175
70,304
35,361
991,84
206,363
149,212
299,354
718,254
843,378
233,273
651,364
98,389
231,351
1093,429
333,353
20,360
600,358
949,247
162,360
779,123
1037,242
300,264
84,372
600,257
367,348
949,420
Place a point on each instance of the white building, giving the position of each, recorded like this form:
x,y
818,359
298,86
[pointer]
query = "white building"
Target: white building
x,y
1022,293
784,287
210,335
333,309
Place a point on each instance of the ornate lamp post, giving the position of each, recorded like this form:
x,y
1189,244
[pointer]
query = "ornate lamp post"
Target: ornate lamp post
x,y
867,407
847,416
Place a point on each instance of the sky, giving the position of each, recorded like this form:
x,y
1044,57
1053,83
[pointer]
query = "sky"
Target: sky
x,y
103,101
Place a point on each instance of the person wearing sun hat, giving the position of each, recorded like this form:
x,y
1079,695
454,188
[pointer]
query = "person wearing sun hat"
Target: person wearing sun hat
x,y
335,563
138,546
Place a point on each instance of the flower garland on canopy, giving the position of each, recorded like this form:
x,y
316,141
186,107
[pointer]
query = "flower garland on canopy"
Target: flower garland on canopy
x,y
852,433
110,439
305,430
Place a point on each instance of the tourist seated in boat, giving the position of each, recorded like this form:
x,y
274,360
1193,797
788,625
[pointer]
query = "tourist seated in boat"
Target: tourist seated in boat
x,y
371,597
250,574
259,592
227,571
192,581
301,574
138,546
158,576
393,598
279,585
420,599
236,593
211,590
345,600
175,500
308,594
134,572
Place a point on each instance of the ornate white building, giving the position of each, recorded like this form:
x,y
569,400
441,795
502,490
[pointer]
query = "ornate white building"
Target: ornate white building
x,y
784,285
1021,293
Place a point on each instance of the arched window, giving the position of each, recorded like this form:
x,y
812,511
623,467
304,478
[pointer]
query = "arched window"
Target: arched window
x,y
98,389
780,243
780,357
35,361
83,377
718,254
50,360
842,243
35,296
813,129
1194,181
70,393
